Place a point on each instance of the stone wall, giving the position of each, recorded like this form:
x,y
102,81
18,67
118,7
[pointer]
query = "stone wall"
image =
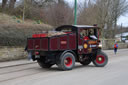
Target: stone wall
x,y
12,53
109,44
123,45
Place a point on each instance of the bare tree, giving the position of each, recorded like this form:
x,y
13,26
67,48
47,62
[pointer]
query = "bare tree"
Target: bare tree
x,y
119,7
59,14
112,10
105,13
4,2
12,4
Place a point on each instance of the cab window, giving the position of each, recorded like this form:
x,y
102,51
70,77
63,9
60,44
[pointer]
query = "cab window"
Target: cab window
x,y
87,34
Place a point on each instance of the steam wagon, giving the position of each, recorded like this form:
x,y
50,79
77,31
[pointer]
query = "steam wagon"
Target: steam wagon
x,y
66,45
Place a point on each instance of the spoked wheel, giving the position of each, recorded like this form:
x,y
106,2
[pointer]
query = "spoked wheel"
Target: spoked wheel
x,y
66,61
43,64
101,59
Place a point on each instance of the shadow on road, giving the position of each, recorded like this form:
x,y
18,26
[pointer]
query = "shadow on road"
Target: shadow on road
x,y
55,68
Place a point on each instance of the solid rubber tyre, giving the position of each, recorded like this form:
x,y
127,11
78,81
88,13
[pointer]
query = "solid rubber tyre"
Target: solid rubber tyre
x,y
66,61
101,59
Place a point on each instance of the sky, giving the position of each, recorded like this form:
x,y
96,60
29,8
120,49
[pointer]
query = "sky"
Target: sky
x,y
122,19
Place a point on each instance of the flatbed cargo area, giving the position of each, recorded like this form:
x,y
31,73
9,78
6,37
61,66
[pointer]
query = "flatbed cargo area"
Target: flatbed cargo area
x,y
53,43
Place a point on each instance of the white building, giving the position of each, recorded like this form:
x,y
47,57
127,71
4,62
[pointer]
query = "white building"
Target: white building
x,y
123,36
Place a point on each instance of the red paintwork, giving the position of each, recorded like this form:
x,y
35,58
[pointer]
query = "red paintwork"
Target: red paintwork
x,y
37,53
86,38
39,35
30,43
63,42
37,44
72,41
102,61
54,43
35,35
43,35
44,44
68,61
63,46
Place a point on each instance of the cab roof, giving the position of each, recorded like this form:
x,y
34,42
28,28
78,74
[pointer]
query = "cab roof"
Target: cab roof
x,y
76,27
84,26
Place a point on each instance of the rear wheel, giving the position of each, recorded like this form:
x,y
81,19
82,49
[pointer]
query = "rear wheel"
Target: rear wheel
x,y
101,59
66,61
43,64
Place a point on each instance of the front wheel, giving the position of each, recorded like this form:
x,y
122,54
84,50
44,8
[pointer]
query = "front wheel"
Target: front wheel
x,y
101,59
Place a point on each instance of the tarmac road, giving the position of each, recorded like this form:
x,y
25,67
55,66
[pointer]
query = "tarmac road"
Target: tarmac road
x,y
115,73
